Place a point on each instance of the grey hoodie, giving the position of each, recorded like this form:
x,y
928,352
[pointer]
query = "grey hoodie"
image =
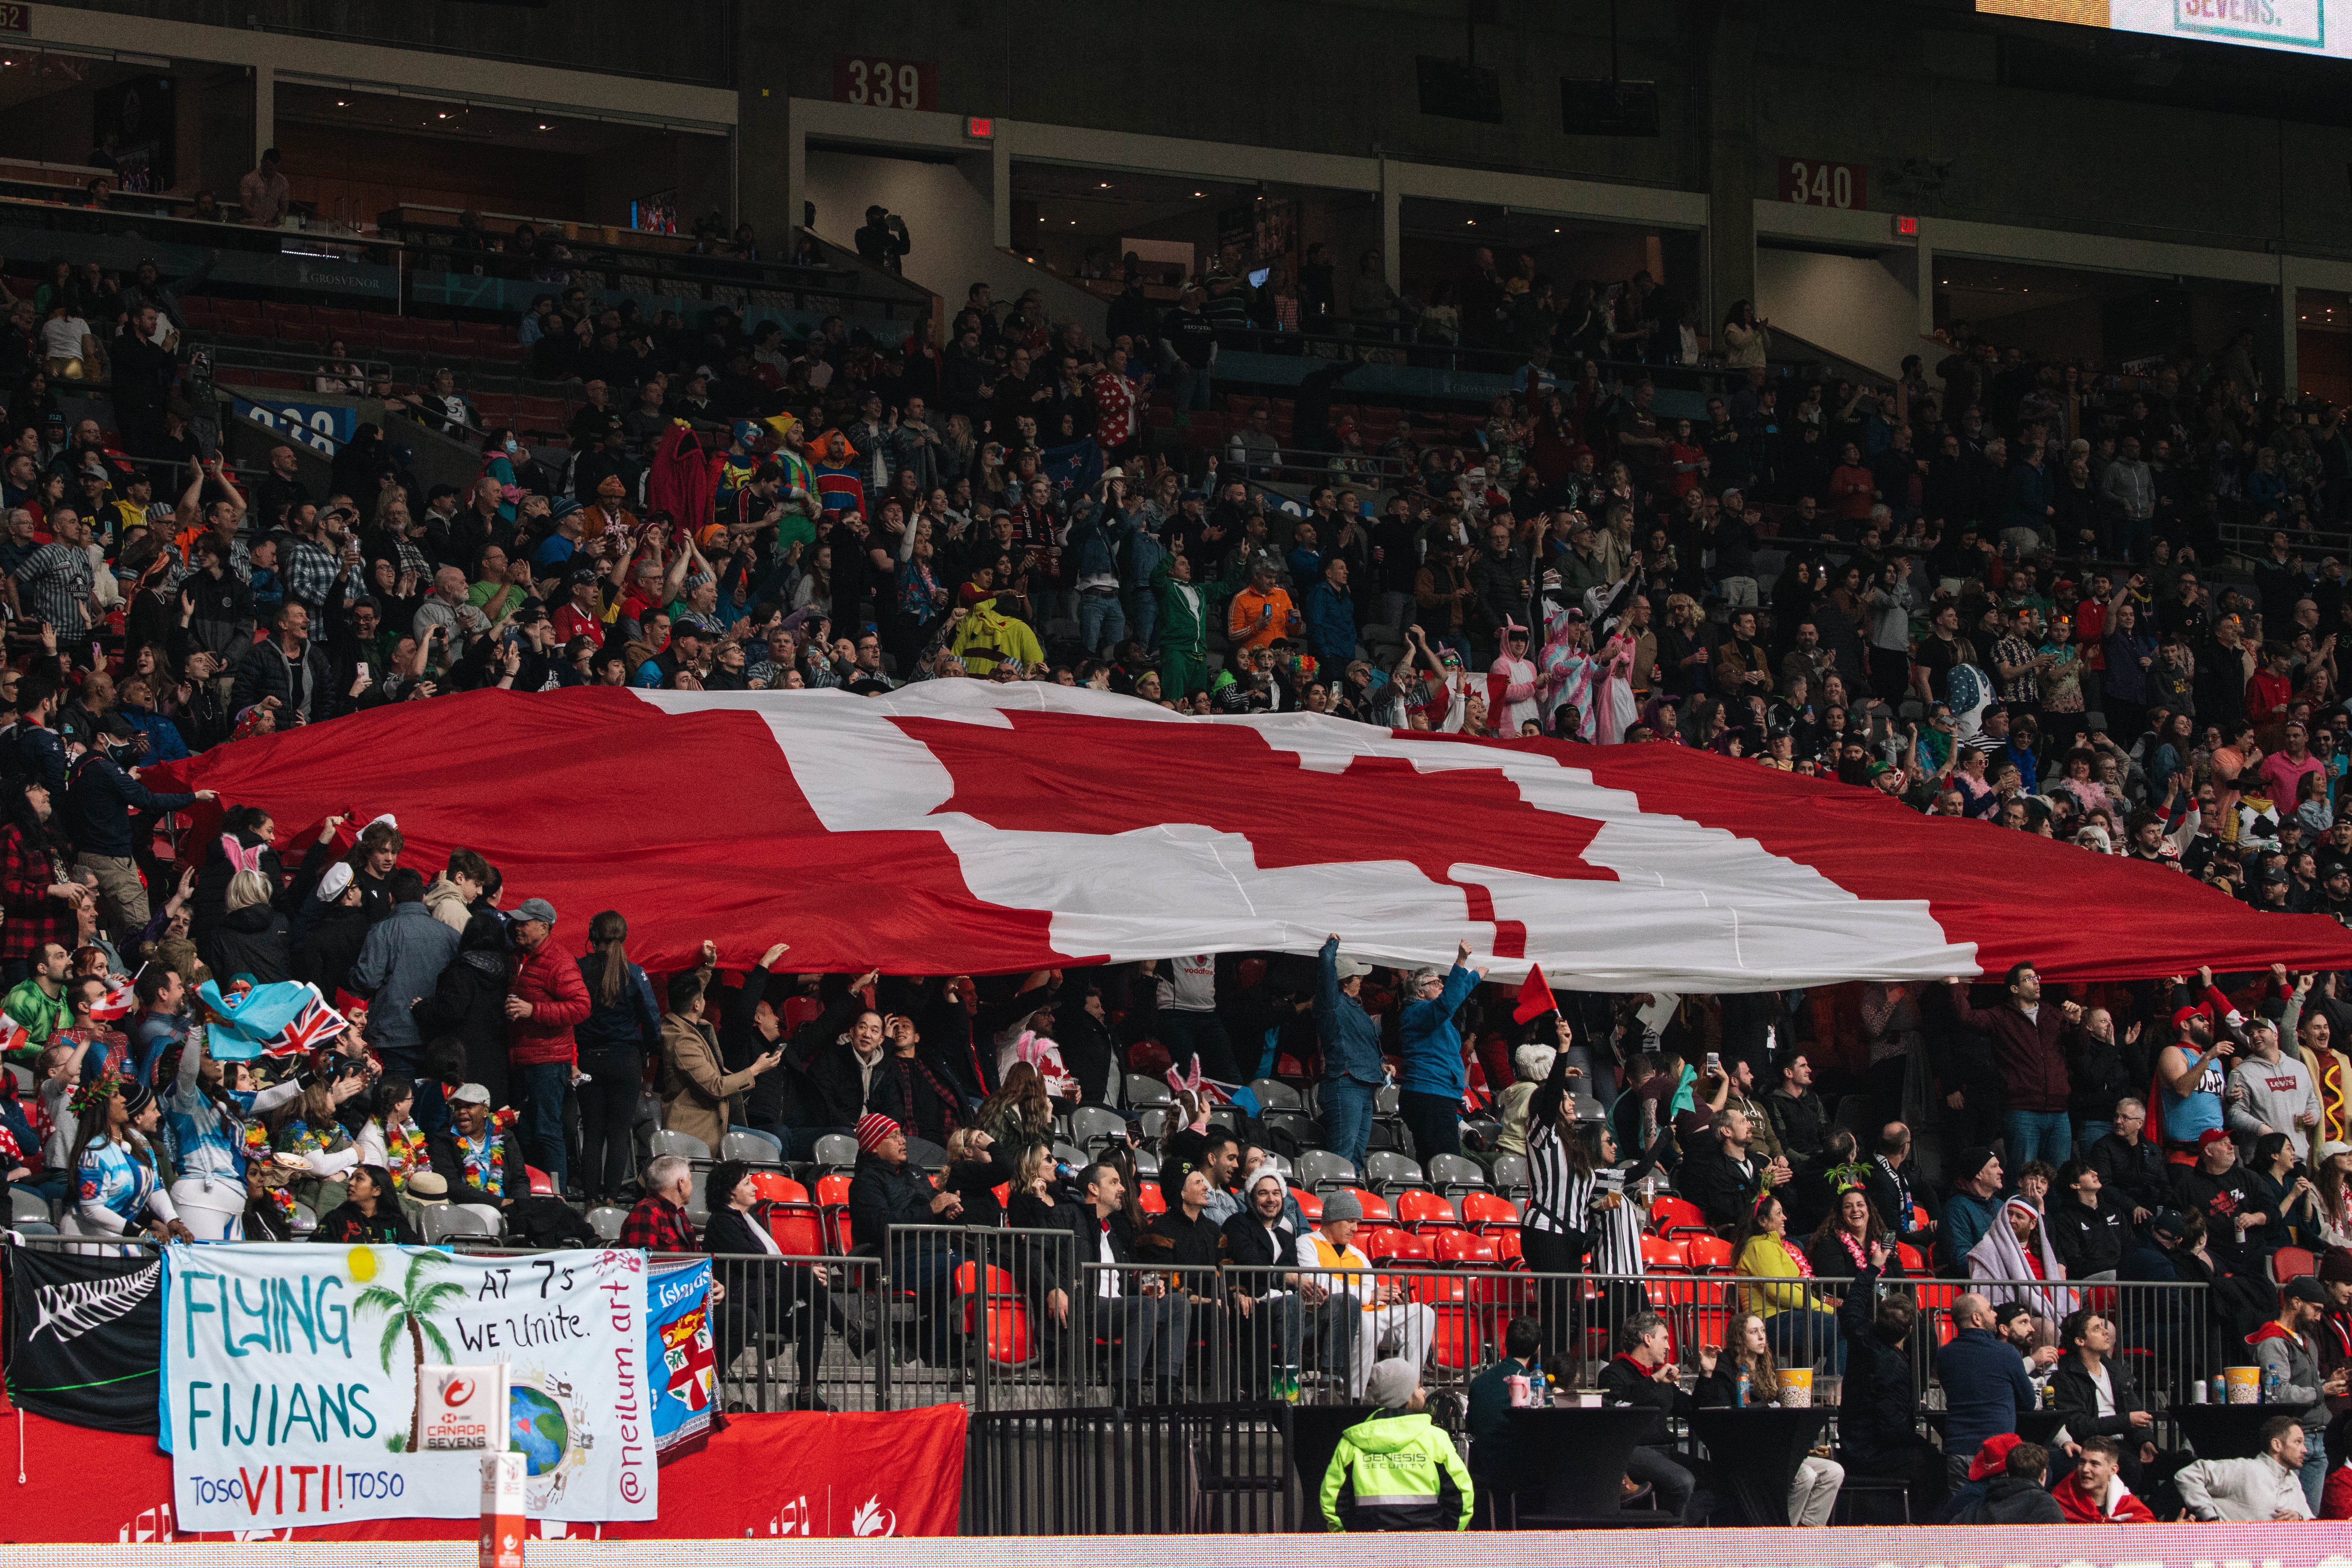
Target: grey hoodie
x,y
2276,1093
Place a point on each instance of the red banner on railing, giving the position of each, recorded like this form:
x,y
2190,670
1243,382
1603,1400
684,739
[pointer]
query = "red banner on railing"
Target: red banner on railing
x,y
803,1474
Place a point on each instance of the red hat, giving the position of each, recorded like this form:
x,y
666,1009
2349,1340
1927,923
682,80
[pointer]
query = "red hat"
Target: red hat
x,y
872,1129
2185,1014
1993,1456
2210,1135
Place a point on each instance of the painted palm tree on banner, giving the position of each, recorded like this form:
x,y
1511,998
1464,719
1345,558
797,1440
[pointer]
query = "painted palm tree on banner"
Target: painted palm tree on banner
x,y
412,1308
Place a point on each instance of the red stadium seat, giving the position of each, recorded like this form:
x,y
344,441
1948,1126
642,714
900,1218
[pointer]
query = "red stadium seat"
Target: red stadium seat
x,y
1486,1211
798,1229
1671,1216
1008,1339
1418,1210
774,1187
1376,1207
1149,1199
542,1185
1708,1254
1660,1252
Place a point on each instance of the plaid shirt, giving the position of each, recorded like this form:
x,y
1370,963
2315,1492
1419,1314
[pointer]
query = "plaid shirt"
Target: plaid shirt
x,y
58,581
309,575
26,875
658,1225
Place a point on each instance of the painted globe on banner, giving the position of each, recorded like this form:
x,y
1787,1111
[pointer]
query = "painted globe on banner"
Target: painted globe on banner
x,y
536,1428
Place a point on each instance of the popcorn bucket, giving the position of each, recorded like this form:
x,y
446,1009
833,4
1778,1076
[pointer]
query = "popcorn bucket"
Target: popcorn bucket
x,y
2244,1384
1796,1388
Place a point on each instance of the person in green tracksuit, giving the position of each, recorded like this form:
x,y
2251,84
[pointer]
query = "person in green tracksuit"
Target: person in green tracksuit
x,y
1184,625
1397,1465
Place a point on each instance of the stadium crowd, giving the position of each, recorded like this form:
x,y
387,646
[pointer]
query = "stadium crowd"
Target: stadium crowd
x,y
2010,595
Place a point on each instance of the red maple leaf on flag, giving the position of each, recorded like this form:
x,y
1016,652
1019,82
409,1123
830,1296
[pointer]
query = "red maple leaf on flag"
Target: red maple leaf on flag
x,y
1232,779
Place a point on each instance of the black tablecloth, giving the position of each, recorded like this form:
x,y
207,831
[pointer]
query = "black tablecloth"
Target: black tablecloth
x,y
2225,1431
1567,1463
1756,1453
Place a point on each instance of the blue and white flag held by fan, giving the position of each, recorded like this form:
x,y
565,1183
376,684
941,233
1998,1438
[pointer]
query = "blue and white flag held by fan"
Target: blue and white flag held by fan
x,y
283,1018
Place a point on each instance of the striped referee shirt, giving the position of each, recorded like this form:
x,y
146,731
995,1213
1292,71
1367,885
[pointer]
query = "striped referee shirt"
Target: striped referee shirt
x,y
1562,1201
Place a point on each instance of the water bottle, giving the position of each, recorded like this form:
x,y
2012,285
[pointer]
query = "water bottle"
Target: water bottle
x,y
1744,1377
2269,1386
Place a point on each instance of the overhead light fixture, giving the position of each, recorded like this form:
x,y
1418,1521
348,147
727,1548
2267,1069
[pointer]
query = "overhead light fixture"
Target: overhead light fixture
x,y
1104,185
543,128
1200,193
341,104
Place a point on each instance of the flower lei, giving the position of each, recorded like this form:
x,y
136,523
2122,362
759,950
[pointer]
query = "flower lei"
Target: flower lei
x,y
254,1140
404,1152
302,1140
488,1170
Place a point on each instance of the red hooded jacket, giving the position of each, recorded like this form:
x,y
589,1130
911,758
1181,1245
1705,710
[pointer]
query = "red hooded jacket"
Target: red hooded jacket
x,y
2081,1508
549,981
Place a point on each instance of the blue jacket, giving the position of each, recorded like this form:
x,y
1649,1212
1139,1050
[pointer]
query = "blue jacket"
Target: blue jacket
x,y
1432,1045
1097,536
1985,1387
1351,1041
1966,1220
631,1024
1330,627
402,960
99,805
164,742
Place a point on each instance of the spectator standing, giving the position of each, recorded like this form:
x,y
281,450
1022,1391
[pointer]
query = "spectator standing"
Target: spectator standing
x,y
2028,1039
1433,1079
1395,1464
547,1001
263,192
622,1030
2287,1350
400,962
1878,1417
1352,1068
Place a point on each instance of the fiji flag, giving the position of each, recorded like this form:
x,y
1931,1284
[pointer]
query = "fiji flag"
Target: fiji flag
x,y
282,1019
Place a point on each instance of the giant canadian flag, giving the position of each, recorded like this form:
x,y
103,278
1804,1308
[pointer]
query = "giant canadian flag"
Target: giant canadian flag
x,y
965,826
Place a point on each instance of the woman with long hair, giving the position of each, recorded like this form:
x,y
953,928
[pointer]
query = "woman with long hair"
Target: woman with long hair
x,y
1748,1346
816,586
370,1212
976,1167
1579,1205
213,1116
2290,1195
620,1035
1747,341
390,1137
1803,1330
115,1166
2333,1213
1840,1246
1020,1114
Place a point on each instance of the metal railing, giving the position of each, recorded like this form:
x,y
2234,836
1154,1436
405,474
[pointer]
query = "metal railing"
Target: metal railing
x,y
1176,1469
943,1314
